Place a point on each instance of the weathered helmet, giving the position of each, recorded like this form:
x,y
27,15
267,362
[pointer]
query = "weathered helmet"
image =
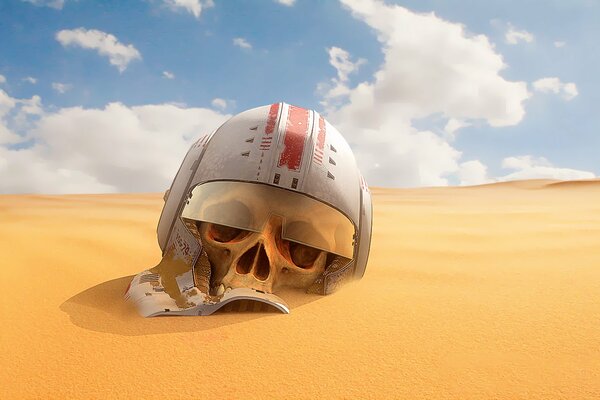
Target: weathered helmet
x,y
273,198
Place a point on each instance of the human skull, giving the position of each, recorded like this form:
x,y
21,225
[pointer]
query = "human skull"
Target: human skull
x,y
259,260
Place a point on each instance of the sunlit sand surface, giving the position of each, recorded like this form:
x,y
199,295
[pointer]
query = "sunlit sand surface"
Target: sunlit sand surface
x,y
478,292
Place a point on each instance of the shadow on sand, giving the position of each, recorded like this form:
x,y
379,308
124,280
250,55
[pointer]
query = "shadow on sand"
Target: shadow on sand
x,y
102,308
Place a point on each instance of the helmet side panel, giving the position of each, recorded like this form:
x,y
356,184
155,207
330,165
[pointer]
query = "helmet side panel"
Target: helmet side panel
x,y
178,191
365,230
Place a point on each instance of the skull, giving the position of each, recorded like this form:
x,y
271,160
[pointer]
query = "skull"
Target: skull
x,y
259,260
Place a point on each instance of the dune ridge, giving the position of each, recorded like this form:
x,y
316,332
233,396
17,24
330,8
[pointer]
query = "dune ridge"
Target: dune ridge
x,y
478,292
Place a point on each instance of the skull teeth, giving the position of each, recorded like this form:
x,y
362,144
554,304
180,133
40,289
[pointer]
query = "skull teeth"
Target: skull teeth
x,y
220,289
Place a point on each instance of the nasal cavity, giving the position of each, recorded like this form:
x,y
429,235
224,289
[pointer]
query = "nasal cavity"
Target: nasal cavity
x,y
244,264
262,269
256,256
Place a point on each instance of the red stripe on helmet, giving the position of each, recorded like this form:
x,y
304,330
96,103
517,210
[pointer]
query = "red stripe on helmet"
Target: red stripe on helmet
x,y
272,119
296,131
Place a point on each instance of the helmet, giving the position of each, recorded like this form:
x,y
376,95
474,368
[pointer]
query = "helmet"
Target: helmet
x,y
276,191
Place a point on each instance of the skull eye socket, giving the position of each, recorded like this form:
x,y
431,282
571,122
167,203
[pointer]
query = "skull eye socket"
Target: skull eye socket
x,y
224,233
303,256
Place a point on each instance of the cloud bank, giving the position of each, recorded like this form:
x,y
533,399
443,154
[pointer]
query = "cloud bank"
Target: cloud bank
x,y
431,67
96,150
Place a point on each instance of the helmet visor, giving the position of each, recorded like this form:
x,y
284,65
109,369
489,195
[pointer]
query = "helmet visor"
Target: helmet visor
x,y
249,206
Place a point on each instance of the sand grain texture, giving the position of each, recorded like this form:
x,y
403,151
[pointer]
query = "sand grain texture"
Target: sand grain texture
x,y
478,292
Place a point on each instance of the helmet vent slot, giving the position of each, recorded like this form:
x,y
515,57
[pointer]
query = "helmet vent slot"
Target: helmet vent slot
x,y
254,128
246,154
332,148
330,175
331,161
250,140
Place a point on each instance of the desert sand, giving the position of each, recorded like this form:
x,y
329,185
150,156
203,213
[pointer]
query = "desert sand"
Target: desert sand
x,y
471,292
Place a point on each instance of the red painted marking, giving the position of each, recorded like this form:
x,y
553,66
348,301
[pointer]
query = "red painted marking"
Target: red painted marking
x,y
272,119
321,134
200,142
363,184
320,145
296,130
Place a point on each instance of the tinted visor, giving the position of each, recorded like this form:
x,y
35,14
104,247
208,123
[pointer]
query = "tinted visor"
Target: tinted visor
x,y
249,206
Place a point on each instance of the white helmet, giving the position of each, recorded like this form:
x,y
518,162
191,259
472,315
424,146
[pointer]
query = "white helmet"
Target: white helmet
x,y
273,198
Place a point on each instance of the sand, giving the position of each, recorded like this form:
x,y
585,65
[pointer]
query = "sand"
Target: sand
x,y
479,292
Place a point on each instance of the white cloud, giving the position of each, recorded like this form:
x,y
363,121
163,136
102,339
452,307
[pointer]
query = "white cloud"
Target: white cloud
x,y
453,125
57,4
30,79
340,60
288,3
113,149
529,167
241,42
105,44
192,6
7,103
560,43
61,87
168,75
473,172
514,36
219,103
554,85
431,67
16,116
569,91
32,106
2,79
338,87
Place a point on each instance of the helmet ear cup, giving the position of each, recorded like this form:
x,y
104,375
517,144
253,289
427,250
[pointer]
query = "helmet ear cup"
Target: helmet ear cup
x,y
338,271
363,244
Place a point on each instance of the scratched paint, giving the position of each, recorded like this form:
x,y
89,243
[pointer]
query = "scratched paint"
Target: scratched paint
x,y
272,119
318,155
363,184
169,268
267,138
296,131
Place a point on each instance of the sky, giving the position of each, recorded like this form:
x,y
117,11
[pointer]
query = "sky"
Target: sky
x,y
107,96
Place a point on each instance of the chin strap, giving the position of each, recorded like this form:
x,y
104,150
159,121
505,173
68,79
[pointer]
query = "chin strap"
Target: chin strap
x,y
337,273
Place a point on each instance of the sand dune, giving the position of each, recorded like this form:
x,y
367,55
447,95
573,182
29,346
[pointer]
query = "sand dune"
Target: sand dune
x,y
471,292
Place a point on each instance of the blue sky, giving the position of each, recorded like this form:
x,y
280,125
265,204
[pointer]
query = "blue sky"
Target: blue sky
x,y
392,76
